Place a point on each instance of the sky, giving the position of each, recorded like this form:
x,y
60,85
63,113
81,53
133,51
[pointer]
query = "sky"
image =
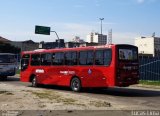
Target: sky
x,y
69,18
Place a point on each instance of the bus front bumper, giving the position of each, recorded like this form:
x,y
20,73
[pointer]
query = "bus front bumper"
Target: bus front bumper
x,y
10,73
128,81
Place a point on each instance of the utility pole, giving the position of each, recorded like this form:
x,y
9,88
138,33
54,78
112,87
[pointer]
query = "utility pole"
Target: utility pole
x,y
110,36
57,37
46,31
101,19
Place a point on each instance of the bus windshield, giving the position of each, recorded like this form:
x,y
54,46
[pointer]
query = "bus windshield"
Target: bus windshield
x,y
128,54
7,58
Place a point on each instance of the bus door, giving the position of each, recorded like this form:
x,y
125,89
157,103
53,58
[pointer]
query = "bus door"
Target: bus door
x,y
57,64
127,72
103,58
24,67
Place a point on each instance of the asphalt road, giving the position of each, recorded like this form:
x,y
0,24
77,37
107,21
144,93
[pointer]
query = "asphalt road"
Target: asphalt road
x,y
130,98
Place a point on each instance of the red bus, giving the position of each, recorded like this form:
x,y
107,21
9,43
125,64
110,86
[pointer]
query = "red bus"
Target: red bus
x,y
96,66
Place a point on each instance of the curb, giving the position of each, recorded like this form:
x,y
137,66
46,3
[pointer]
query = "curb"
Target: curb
x,y
147,86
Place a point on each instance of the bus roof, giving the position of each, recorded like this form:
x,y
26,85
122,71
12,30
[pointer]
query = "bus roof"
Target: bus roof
x,y
72,49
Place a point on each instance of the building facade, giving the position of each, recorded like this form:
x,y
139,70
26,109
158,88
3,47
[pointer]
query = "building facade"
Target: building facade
x,y
22,45
28,45
97,38
148,46
4,40
75,44
52,45
77,39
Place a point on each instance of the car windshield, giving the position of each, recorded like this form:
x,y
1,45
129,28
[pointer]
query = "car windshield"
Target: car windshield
x,y
7,58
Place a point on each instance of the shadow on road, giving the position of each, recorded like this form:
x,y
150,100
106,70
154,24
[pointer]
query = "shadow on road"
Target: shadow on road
x,y
9,79
127,92
119,92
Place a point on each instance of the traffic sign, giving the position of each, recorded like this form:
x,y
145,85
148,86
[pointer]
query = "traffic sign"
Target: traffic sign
x,y
42,30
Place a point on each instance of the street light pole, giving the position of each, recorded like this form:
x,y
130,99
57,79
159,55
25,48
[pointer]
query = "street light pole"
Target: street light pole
x,y
57,37
101,25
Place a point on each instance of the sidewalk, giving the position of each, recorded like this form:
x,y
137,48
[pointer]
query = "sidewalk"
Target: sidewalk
x,y
146,86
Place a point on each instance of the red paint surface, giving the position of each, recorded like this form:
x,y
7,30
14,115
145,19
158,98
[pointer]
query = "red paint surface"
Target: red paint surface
x,y
100,76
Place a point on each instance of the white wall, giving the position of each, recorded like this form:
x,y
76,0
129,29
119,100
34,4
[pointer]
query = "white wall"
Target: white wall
x,y
95,38
145,45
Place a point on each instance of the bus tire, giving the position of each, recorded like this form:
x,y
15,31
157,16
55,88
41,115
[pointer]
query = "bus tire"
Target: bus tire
x,y
75,84
34,82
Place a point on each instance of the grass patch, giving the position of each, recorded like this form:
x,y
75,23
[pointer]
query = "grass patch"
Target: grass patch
x,y
100,104
54,96
147,82
18,71
3,92
66,101
46,95
6,93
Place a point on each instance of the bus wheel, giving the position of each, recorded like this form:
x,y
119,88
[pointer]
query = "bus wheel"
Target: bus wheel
x,y
34,82
75,84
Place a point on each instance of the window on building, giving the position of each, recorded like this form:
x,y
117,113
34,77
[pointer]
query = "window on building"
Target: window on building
x,y
58,58
35,59
46,59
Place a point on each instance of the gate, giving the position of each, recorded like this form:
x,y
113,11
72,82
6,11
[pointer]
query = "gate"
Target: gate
x,y
149,69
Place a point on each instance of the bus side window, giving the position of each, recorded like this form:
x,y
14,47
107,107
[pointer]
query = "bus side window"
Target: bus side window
x,y
74,58
99,58
35,60
71,58
46,59
82,57
86,58
24,64
107,57
90,57
68,57
58,58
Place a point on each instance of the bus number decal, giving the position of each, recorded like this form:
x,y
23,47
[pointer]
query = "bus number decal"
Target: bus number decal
x,y
39,71
67,72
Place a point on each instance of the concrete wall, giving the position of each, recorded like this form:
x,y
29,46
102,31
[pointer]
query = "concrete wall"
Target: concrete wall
x,y
148,45
96,38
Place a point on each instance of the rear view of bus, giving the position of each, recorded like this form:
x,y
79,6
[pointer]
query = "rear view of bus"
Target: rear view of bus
x,y
127,65
7,65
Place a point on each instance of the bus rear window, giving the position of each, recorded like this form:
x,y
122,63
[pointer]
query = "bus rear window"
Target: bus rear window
x,y
128,54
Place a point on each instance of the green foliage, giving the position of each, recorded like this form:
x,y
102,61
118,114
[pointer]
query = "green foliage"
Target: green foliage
x,y
18,71
147,82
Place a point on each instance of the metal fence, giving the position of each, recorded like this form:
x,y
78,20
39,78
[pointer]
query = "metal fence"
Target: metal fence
x,y
150,69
